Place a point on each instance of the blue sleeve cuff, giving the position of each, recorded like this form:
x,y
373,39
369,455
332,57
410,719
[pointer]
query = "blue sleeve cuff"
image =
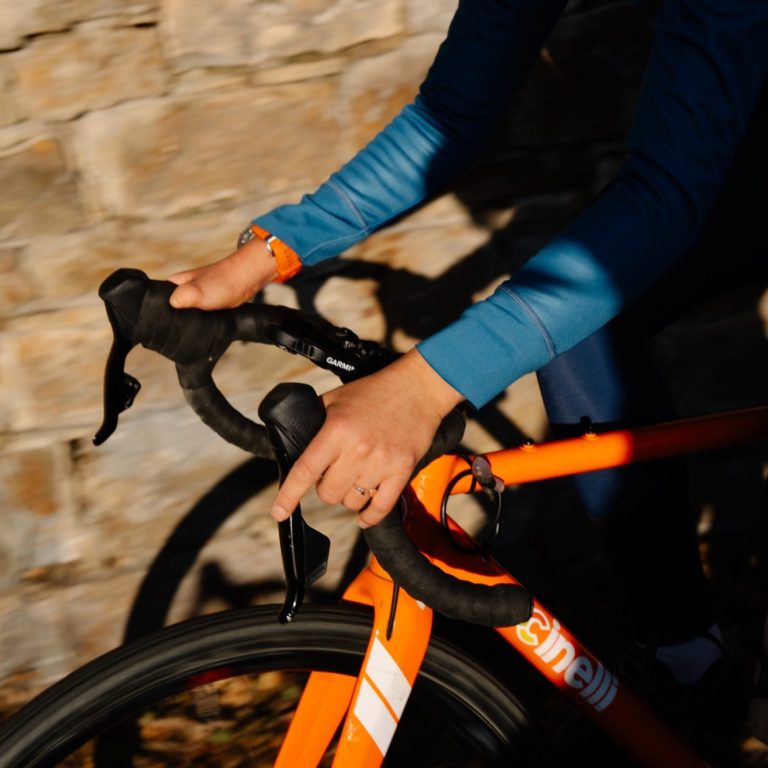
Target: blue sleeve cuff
x,y
493,343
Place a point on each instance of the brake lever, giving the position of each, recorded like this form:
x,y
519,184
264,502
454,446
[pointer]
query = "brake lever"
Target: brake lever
x,y
120,388
292,415
304,549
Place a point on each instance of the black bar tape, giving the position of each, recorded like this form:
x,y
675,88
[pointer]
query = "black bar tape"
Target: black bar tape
x,y
252,322
501,605
144,315
215,412
182,335
447,437
195,340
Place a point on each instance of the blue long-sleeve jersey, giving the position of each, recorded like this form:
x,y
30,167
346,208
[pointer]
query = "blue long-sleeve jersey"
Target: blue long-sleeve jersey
x,y
707,66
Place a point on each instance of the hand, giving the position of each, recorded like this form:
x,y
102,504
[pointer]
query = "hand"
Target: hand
x,y
226,283
375,432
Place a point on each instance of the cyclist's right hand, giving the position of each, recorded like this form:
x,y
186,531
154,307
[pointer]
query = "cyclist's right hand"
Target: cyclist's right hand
x,y
226,283
375,432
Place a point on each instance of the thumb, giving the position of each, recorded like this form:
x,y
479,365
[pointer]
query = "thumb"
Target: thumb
x,y
187,295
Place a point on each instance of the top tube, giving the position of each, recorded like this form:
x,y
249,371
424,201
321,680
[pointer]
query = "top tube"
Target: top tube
x,y
591,452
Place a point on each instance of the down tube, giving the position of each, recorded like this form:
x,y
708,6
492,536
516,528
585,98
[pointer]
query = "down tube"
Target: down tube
x,y
559,656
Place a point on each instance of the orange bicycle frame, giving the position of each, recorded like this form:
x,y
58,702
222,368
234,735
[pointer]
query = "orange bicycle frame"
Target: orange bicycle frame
x,y
370,705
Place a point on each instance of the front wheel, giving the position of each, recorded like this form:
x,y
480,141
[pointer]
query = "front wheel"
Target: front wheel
x,y
219,691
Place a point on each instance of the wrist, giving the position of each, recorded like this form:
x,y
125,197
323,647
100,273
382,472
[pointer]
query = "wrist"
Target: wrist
x,y
286,261
256,264
438,394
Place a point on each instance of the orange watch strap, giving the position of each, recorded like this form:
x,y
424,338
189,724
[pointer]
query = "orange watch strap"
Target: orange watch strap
x,y
286,259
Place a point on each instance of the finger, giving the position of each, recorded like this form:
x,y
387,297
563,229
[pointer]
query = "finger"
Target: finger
x,y
336,483
307,470
382,503
356,500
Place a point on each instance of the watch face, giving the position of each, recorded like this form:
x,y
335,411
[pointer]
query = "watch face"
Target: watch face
x,y
245,236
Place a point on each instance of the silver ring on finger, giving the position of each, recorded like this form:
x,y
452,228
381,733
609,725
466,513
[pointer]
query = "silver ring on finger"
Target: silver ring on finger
x,y
369,493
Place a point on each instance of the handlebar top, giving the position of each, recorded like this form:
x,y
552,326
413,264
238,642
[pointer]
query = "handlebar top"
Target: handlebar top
x,y
140,313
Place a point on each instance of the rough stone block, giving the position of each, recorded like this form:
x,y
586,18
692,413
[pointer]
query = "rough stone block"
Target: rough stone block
x,y
208,32
21,20
138,485
62,268
34,641
156,466
155,158
375,89
425,251
9,110
301,26
93,66
38,191
15,287
430,17
299,70
242,561
52,367
34,17
352,303
52,359
237,32
97,609
36,511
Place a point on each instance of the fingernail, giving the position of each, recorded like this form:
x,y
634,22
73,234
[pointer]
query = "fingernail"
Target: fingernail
x,y
279,514
362,524
174,300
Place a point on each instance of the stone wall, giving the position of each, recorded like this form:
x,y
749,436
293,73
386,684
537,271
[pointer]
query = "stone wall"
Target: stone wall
x,y
146,134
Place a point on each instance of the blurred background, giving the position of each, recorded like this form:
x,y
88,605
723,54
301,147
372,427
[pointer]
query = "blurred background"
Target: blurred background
x,y
147,134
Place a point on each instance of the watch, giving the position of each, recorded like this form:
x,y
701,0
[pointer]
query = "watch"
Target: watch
x,y
286,259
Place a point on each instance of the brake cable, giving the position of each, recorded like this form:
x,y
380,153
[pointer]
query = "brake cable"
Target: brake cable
x,y
491,485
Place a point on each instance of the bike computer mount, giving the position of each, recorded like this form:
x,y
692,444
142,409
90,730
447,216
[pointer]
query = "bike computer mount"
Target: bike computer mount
x,y
338,350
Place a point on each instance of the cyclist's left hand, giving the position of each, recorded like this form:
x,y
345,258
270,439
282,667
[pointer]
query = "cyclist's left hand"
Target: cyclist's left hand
x,y
375,432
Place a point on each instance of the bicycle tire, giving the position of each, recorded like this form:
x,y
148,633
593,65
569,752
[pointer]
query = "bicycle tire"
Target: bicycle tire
x,y
117,685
